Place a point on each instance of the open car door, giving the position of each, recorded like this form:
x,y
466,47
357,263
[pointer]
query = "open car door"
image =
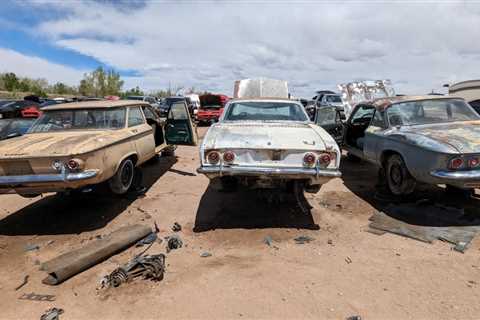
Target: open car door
x,y
330,119
179,129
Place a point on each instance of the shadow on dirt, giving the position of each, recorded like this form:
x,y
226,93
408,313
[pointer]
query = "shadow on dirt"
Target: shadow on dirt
x,y
428,206
244,209
62,214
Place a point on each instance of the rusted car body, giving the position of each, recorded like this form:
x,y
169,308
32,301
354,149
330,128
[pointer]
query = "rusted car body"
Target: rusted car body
x,y
434,140
81,144
268,143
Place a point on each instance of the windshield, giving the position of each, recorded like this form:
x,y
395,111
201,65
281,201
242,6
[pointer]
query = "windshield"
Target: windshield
x,y
333,99
430,111
326,116
258,111
81,119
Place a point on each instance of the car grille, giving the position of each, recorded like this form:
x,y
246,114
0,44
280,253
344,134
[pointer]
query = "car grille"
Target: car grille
x,y
16,168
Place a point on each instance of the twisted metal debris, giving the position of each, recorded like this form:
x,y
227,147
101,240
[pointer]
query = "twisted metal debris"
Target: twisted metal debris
x,y
147,267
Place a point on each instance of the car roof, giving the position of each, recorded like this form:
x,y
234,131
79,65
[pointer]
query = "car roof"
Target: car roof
x,y
96,104
264,99
384,103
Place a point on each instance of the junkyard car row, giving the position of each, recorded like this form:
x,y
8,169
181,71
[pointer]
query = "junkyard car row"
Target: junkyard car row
x,y
262,139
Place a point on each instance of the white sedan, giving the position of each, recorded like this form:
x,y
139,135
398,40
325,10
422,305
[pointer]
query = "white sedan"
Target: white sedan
x,y
269,143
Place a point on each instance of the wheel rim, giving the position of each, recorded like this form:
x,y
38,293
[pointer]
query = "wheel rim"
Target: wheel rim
x,y
127,174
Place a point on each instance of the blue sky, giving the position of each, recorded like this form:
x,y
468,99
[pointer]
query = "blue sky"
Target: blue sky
x,y
209,44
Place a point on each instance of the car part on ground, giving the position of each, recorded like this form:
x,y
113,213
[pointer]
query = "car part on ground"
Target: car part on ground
x,y
52,314
71,263
37,297
147,267
176,227
24,283
173,242
427,222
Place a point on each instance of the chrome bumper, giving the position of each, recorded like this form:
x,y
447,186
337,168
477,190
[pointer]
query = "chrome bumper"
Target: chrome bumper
x,y
64,176
268,171
469,178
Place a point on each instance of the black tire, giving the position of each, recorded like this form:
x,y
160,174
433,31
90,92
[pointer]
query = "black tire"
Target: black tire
x,y
121,182
168,151
399,181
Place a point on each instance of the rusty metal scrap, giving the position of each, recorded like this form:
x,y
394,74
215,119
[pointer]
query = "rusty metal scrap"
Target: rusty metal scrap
x,y
147,267
173,242
52,314
37,297
24,282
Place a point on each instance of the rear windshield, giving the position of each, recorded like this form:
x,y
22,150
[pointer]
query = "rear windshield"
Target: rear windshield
x,y
265,111
81,119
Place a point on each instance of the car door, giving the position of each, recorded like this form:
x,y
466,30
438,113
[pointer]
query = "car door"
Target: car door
x,y
141,133
179,127
373,135
354,135
329,119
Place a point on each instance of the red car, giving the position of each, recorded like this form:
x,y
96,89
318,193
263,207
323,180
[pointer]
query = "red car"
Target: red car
x,y
211,107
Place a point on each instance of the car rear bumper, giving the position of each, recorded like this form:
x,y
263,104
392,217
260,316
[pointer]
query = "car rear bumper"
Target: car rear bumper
x,y
315,174
462,179
64,176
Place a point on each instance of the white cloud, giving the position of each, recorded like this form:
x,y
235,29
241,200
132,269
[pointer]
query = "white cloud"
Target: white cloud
x,y
313,45
34,67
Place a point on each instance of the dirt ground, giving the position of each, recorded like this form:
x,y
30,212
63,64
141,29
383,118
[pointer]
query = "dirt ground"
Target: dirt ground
x,y
345,271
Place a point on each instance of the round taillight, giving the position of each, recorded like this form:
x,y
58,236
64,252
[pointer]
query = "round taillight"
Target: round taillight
x,y
73,164
228,157
474,162
309,159
57,165
325,159
456,163
213,157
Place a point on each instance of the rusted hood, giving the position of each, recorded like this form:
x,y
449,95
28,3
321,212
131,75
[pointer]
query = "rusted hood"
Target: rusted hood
x,y
463,137
57,143
281,136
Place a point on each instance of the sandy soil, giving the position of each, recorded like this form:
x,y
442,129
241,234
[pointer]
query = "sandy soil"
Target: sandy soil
x,y
345,271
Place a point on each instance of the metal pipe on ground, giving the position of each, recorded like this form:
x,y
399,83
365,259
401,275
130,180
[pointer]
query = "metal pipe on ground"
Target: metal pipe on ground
x,y
71,263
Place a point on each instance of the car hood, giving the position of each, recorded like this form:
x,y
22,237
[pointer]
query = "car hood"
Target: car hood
x,y
281,136
58,143
455,137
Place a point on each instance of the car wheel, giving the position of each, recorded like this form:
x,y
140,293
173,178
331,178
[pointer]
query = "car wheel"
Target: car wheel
x,y
121,182
168,151
399,181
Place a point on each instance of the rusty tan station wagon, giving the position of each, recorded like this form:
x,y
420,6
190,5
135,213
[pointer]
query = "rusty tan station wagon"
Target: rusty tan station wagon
x,y
77,145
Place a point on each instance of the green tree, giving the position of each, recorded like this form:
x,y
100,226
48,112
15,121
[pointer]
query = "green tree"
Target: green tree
x,y
11,82
133,92
101,83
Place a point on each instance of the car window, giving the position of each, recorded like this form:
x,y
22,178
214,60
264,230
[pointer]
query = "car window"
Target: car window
x,y
135,117
326,116
178,111
149,113
430,111
80,119
378,120
265,111
363,112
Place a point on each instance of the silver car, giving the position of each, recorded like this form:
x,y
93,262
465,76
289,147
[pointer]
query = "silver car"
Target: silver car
x,y
434,140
